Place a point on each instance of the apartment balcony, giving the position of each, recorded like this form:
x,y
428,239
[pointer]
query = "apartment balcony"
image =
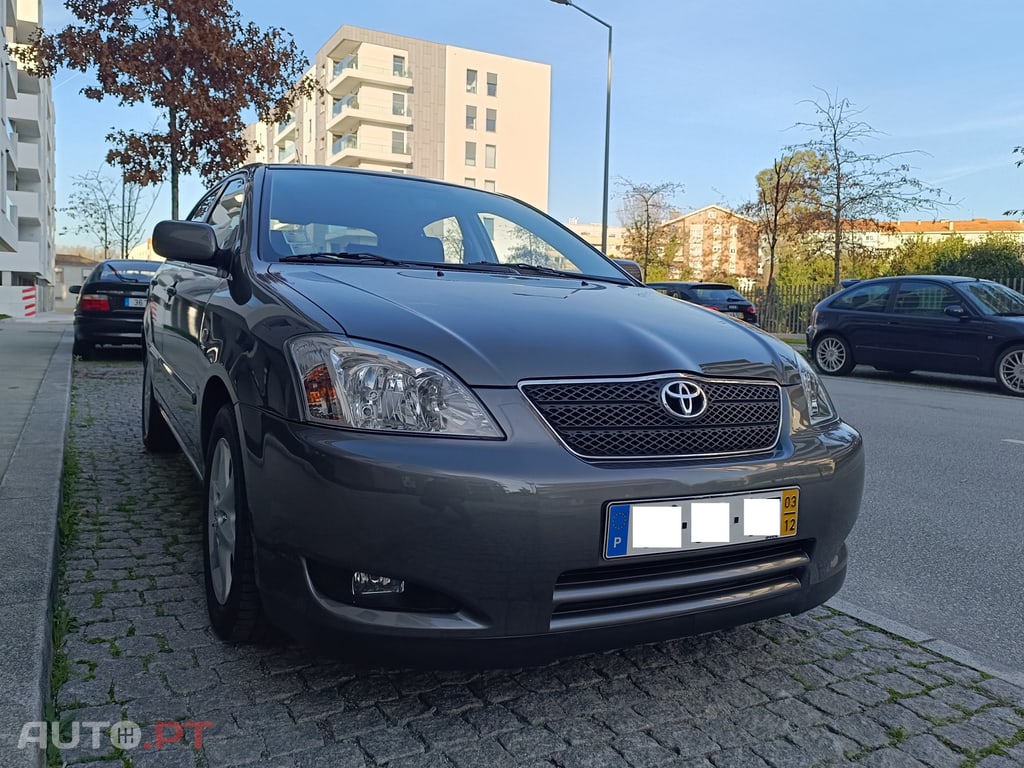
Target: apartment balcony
x,y
286,129
349,113
27,204
349,73
25,259
350,151
286,154
25,107
30,161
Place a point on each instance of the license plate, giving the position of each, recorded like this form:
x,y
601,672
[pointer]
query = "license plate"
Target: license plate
x,y
135,303
735,314
681,525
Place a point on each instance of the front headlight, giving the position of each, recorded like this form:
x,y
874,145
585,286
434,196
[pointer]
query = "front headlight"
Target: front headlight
x,y
812,401
344,383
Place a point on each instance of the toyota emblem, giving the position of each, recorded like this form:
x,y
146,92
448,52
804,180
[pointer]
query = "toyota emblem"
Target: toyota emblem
x,y
684,399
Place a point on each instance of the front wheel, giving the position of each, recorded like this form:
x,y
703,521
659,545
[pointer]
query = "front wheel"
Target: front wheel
x,y
232,597
832,355
1010,370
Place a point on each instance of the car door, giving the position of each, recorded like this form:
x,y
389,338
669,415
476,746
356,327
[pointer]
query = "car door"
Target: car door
x,y
921,336
189,288
859,316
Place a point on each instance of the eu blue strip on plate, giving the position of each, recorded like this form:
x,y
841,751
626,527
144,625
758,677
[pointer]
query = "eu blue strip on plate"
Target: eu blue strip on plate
x,y
618,530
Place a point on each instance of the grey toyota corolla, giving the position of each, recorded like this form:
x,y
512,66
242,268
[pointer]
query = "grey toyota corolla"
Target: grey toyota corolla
x,y
434,425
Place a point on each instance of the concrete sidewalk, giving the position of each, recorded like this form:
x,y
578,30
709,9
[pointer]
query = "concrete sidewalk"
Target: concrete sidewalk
x,y
35,389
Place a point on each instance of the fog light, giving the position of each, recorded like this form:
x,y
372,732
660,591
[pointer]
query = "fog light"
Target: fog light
x,y
370,584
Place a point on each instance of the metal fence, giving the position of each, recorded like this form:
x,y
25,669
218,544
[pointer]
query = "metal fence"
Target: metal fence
x,y
790,308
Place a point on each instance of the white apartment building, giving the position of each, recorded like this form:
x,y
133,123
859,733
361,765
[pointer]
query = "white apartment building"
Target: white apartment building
x,y
403,105
27,226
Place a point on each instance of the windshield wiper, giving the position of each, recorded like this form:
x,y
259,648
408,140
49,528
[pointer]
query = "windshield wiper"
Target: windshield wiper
x,y
119,276
345,257
542,270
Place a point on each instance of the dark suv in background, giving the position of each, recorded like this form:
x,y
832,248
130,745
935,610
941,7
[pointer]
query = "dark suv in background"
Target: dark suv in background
x,y
718,296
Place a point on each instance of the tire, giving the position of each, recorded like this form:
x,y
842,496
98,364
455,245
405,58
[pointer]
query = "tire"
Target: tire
x,y
156,434
232,597
832,355
83,350
1010,370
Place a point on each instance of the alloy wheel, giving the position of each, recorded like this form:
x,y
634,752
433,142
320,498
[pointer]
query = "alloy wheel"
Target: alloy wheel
x,y
831,354
221,516
1011,370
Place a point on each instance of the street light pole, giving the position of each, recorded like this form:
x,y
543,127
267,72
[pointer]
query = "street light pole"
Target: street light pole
x,y
607,123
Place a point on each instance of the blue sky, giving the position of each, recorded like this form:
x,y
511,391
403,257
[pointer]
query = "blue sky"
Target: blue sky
x,y
704,94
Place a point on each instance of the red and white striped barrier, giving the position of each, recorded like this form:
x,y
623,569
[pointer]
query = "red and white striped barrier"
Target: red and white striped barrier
x,y
28,300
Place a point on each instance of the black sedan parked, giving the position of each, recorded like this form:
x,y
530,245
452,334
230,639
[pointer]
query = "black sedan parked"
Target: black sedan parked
x,y
111,303
434,423
718,296
923,323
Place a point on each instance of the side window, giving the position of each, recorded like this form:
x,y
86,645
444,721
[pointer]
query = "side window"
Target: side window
x,y
227,214
866,298
203,206
923,298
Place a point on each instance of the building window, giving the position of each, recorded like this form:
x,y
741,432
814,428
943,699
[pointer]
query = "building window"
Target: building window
x,y
469,182
470,81
732,230
489,185
471,118
492,83
488,222
397,103
398,145
470,153
492,120
398,66
712,214
490,156
718,229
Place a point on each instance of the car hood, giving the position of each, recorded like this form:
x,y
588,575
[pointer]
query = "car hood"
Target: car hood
x,y
496,329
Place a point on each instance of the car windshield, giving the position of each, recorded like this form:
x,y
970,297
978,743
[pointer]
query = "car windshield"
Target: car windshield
x,y
126,271
312,212
995,299
716,293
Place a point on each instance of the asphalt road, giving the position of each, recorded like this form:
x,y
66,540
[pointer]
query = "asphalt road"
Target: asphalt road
x,y
938,544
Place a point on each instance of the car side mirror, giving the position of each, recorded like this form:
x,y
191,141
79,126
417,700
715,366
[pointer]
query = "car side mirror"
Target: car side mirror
x,y
957,311
75,289
192,241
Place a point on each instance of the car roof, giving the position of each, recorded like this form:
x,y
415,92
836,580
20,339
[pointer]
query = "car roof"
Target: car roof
x,y
936,278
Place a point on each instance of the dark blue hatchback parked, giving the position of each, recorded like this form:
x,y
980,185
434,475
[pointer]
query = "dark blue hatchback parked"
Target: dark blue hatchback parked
x,y
922,322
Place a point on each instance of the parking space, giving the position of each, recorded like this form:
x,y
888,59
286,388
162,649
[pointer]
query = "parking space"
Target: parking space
x,y
818,689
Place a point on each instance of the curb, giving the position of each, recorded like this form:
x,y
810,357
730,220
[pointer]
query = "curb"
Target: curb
x,y
30,498
929,642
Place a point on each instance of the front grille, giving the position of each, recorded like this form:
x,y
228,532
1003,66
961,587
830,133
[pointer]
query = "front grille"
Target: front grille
x,y
626,592
625,419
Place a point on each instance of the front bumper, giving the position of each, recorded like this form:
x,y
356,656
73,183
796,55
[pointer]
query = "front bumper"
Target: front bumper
x,y
502,531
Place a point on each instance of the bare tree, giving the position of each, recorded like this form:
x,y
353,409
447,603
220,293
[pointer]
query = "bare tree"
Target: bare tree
x,y
856,188
111,211
785,204
645,209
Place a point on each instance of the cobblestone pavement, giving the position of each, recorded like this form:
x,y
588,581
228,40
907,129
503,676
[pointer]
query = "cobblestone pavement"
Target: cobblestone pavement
x,y
818,689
